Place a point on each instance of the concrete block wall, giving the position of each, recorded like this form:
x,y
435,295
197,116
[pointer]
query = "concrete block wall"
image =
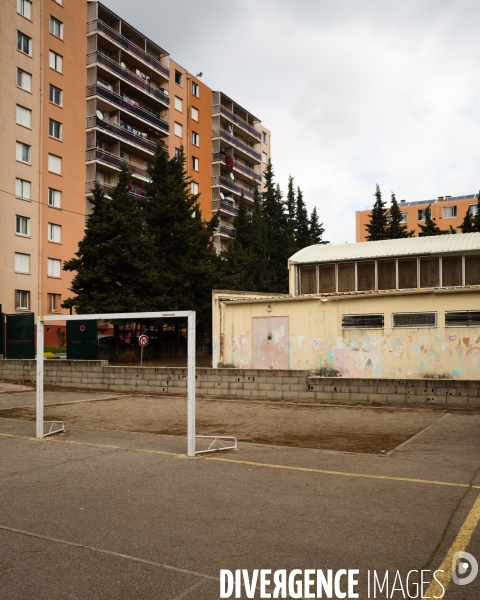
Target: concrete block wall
x,y
293,386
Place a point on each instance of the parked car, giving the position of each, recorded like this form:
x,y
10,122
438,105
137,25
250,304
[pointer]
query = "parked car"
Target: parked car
x,y
108,340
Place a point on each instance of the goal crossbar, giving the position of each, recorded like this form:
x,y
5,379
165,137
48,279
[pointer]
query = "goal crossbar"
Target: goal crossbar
x,y
191,315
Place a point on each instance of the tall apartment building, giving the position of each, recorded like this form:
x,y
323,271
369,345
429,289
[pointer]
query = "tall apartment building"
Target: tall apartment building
x,y
446,211
84,91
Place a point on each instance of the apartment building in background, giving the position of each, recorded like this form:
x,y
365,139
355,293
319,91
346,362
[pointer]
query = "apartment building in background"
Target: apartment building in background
x,y
447,211
84,91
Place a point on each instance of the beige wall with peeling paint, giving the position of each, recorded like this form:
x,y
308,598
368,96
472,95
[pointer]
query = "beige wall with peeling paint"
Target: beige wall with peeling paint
x,y
316,338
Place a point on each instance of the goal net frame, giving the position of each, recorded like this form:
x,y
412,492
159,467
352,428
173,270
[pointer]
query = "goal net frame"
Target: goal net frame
x,y
58,426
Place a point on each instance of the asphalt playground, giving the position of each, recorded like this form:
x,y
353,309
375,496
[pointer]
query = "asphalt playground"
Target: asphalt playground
x,y
119,515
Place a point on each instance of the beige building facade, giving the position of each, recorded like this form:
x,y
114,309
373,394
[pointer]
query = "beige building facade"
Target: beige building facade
x,y
390,309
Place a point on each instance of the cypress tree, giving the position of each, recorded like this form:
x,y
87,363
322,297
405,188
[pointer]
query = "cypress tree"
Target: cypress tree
x,y
316,229
476,216
303,237
468,223
377,228
395,228
430,227
113,261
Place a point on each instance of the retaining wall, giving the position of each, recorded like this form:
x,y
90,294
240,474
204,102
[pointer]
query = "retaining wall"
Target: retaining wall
x,y
297,386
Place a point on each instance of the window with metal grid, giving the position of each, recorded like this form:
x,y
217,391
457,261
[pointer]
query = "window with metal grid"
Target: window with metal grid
x,y
362,321
462,318
423,319
308,280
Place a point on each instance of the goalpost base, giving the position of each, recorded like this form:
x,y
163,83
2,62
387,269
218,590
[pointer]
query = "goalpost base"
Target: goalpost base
x,y
217,438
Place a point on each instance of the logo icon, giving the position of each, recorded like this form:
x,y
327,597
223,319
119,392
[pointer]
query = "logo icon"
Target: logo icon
x,y
82,328
462,562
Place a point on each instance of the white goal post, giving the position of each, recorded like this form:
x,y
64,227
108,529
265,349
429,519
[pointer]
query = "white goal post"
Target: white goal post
x,y
56,427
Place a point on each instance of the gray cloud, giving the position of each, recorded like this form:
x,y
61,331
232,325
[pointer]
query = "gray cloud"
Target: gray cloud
x,y
354,92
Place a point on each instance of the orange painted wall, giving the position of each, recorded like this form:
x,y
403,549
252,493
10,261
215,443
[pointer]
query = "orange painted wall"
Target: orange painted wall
x,y
72,115
363,217
203,127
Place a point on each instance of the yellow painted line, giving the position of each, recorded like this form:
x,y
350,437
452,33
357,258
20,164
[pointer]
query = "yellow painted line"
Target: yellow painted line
x,y
248,463
459,545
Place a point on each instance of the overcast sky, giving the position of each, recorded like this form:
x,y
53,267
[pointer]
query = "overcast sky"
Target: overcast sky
x,y
355,92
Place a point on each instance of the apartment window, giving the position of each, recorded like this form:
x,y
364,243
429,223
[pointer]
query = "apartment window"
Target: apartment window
x,y
473,208
22,188
56,61
195,89
22,263
24,80
421,215
449,212
425,319
178,104
55,164
54,233
195,138
195,114
56,95
24,153
462,318
178,130
177,152
54,302
54,198
264,157
24,43
22,225
56,27
178,78
55,129
24,116
195,163
53,267
362,321
403,219
22,299
24,8
264,137
194,187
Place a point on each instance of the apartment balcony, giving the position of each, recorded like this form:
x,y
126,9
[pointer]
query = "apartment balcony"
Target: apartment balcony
x,y
219,109
224,231
116,162
119,40
142,113
219,157
232,186
236,143
140,84
107,188
122,133
225,207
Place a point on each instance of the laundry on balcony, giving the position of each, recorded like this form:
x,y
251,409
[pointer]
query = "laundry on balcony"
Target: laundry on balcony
x,y
228,161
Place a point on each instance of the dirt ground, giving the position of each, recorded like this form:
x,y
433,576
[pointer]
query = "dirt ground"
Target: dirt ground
x,y
368,430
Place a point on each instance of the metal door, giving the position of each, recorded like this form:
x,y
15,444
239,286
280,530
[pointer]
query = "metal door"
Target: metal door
x,y
270,342
82,340
20,336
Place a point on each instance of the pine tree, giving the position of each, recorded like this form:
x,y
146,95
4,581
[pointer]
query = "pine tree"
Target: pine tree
x,y
316,229
378,226
468,223
476,216
430,227
395,228
303,237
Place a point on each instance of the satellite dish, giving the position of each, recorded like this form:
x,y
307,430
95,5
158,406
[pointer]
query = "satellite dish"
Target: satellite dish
x,y
100,114
230,200
222,196
232,176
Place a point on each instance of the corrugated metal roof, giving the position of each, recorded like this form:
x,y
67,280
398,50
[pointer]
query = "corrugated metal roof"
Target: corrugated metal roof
x,y
436,244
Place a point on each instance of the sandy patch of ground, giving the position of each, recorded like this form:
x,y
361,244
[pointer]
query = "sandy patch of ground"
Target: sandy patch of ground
x,y
369,430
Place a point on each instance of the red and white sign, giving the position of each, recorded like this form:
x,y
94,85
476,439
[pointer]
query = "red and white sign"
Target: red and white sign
x,y
143,341
82,328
